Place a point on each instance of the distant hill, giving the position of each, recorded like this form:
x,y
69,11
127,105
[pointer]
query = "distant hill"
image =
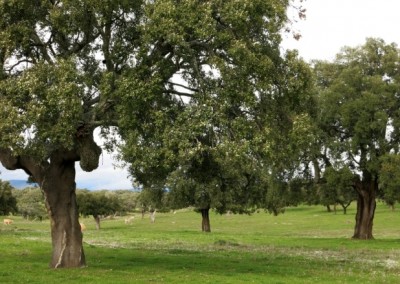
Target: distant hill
x,y
90,184
20,183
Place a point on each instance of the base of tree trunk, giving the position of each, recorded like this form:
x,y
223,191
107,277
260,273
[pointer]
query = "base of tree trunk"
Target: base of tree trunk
x,y
366,205
66,234
205,224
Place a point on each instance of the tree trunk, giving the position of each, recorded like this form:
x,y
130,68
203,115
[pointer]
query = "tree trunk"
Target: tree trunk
x,y
58,187
97,221
205,224
366,205
56,177
328,208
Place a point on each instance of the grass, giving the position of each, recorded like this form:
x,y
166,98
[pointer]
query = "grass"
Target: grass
x,y
304,245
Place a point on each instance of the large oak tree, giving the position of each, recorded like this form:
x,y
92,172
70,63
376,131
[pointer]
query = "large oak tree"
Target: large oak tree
x,y
68,67
360,119
241,100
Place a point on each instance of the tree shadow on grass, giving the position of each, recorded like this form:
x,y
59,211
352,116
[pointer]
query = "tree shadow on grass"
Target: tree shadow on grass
x,y
219,264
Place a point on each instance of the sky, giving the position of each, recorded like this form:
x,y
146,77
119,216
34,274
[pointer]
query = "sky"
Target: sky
x,y
329,26
333,24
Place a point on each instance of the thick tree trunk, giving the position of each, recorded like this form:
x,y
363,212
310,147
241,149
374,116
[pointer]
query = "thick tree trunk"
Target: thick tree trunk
x,y
366,205
205,223
59,190
56,176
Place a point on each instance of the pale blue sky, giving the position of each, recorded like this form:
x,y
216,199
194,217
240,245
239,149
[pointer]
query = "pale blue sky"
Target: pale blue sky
x,y
330,25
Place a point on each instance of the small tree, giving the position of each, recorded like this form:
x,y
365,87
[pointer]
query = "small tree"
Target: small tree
x,y
338,188
8,203
96,204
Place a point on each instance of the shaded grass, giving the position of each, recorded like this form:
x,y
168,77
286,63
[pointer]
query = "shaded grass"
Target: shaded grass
x,y
304,245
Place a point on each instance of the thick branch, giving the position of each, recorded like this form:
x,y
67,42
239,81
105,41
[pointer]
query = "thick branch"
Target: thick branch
x,y
9,161
30,165
92,101
183,86
42,48
180,93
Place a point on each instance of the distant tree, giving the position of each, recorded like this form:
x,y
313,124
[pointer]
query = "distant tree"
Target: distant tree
x,y
218,179
127,200
96,204
389,181
223,159
338,188
8,203
30,203
152,198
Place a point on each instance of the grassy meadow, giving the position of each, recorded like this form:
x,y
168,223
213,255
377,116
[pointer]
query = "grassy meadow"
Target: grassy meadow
x,y
304,245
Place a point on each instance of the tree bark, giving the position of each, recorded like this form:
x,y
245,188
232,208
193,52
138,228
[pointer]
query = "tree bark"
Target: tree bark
x,y
55,175
60,197
366,204
205,223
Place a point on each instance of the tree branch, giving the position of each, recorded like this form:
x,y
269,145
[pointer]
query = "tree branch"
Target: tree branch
x,y
30,165
183,86
182,94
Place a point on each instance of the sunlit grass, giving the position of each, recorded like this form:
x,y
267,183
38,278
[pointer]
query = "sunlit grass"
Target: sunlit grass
x,y
304,245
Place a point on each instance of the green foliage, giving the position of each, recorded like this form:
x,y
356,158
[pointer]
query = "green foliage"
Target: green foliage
x,y
389,181
151,198
30,203
97,203
8,203
339,187
359,107
235,102
127,200
195,90
187,86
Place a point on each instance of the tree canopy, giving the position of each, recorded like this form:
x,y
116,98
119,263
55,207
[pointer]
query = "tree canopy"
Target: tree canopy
x,y
359,118
135,67
235,102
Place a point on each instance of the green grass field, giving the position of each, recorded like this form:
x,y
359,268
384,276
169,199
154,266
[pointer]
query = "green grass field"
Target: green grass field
x,y
304,245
